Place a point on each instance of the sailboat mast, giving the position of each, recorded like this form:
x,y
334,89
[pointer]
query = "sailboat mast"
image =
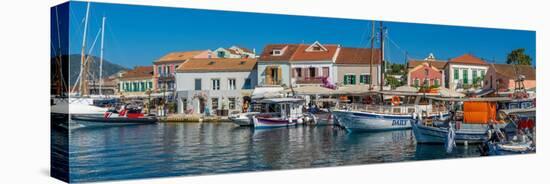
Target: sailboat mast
x,y
371,54
382,63
101,57
83,64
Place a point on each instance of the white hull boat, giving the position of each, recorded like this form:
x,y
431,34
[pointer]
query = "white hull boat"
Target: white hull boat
x,y
356,121
261,122
243,119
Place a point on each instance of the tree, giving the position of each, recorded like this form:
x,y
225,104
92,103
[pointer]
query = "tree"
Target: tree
x,y
518,57
393,82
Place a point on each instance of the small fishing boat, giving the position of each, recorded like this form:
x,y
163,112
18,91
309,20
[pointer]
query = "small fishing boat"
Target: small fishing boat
x,y
510,148
243,119
397,114
478,116
321,112
132,115
280,112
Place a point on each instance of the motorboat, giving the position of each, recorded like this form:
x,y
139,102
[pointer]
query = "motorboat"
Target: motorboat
x,y
280,112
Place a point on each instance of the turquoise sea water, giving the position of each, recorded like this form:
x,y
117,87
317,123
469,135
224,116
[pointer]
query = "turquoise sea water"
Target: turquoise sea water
x,y
143,151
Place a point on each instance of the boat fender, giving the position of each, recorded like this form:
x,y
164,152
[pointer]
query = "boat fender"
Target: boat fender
x,y
450,143
414,115
440,115
420,116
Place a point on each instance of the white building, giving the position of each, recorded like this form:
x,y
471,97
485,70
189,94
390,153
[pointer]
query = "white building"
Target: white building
x,y
234,52
297,64
465,72
207,85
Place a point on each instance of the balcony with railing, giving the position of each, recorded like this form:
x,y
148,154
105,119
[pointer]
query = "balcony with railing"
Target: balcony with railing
x,y
310,80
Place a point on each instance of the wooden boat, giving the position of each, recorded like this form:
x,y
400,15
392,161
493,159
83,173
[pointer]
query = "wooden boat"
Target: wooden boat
x,y
281,112
384,116
470,125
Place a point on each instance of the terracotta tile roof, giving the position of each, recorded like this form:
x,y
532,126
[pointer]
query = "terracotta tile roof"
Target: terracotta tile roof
x,y
218,65
508,70
288,51
139,72
302,55
178,56
468,59
246,50
232,51
440,65
349,55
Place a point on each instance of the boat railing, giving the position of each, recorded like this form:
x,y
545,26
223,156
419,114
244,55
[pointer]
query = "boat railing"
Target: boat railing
x,y
396,110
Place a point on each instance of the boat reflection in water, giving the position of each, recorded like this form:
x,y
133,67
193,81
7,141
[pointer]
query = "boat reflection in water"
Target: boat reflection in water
x,y
154,150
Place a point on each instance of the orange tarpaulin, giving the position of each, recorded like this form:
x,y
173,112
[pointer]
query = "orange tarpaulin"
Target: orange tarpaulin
x,y
479,112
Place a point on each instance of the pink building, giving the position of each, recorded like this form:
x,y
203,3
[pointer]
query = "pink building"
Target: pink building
x,y
501,77
426,73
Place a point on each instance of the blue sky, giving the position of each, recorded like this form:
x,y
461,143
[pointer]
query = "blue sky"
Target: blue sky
x,y
138,35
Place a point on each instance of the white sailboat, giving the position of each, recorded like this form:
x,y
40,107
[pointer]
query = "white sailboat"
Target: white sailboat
x,y
82,103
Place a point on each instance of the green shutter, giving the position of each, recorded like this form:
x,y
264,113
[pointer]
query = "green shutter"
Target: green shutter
x,y
353,79
456,74
436,82
465,76
362,79
474,75
346,79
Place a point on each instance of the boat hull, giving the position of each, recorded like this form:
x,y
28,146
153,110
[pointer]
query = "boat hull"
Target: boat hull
x,y
243,119
260,122
324,118
438,135
114,120
372,122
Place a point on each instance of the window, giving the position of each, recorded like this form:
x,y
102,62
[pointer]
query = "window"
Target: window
x,y
299,72
364,79
316,48
247,83
312,72
215,84
436,82
214,103
426,82
159,70
276,52
326,71
232,84
465,76
482,74
474,75
166,70
198,84
150,84
349,79
416,82
221,54
426,72
231,103
455,74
